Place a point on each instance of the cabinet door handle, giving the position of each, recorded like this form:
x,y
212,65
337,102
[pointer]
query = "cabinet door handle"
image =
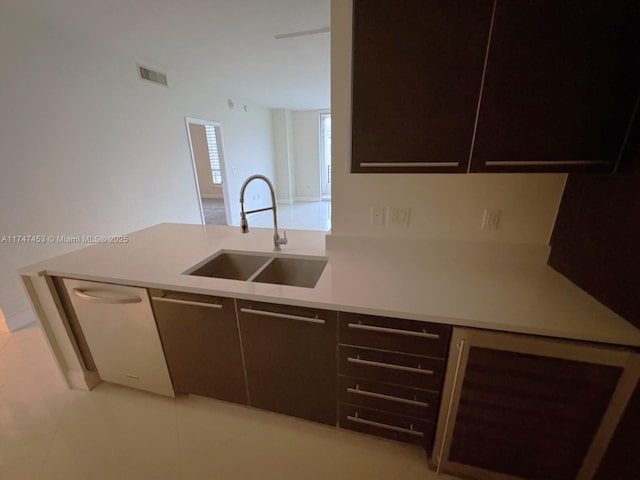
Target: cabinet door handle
x,y
108,296
396,331
364,421
298,318
382,396
188,302
409,164
390,365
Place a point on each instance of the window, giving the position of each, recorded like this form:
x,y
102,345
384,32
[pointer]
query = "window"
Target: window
x,y
214,157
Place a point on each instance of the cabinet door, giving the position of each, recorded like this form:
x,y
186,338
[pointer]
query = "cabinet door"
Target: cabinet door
x,y
201,342
560,84
417,69
520,407
290,357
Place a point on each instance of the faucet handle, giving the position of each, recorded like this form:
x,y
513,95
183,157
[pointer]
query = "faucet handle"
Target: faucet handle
x,y
284,240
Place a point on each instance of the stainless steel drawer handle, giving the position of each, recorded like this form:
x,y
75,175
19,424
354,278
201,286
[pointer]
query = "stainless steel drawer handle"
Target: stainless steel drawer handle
x,y
409,164
395,331
364,421
187,302
382,396
389,365
105,296
299,318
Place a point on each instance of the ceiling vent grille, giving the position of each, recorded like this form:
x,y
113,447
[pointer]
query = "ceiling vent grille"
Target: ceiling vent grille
x,y
152,76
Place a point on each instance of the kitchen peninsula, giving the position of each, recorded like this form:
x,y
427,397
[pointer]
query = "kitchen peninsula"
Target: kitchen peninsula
x,y
377,327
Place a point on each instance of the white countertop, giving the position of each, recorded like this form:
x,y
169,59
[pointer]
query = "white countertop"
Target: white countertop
x,y
485,286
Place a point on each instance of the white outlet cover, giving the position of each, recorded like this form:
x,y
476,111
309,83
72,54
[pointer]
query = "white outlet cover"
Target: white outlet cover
x,y
377,215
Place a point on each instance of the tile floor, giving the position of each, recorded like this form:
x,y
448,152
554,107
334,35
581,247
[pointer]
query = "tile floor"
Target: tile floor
x,y
50,432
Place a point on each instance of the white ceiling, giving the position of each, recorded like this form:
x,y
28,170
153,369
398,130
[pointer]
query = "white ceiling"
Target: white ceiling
x,y
229,40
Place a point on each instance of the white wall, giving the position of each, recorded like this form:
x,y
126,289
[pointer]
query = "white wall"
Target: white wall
x,y
443,207
88,148
283,155
306,154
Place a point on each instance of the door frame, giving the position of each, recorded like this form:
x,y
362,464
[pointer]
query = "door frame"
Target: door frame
x,y
321,151
223,169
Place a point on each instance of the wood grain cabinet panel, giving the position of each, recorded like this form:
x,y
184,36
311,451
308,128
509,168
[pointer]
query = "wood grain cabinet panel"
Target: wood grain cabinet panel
x,y
394,334
388,425
390,376
392,367
560,86
407,401
201,343
290,358
417,69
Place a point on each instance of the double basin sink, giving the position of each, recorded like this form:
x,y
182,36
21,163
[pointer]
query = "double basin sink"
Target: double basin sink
x,y
292,270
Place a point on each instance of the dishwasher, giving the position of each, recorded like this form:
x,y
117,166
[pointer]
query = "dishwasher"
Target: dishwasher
x,y
118,324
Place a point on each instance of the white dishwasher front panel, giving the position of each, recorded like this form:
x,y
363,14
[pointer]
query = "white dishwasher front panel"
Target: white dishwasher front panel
x,y
120,329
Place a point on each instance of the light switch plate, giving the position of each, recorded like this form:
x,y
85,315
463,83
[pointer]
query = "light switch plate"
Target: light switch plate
x,y
490,219
399,216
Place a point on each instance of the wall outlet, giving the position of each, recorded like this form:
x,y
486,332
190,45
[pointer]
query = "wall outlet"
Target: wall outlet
x,y
399,216
377,215
490,219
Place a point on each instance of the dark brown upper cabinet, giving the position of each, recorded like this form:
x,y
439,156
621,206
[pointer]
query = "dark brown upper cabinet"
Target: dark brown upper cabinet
x,y
417,71
560,86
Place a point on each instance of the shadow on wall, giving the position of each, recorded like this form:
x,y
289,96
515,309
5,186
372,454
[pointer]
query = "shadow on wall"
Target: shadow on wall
x,y
3,323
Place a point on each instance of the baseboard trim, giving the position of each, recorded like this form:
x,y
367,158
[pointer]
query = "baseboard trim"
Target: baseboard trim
x,y
308,199
20,320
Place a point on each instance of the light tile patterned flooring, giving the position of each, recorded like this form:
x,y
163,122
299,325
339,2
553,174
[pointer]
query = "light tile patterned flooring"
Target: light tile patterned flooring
x,y
50,432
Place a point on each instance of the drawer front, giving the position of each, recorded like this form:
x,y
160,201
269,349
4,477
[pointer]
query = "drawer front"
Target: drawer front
x,y
389,367
381,424
287,312
407,336
389,398
186,298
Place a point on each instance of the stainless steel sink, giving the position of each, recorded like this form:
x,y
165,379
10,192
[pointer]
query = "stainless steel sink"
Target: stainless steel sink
x,y
292,270
234,266
298,272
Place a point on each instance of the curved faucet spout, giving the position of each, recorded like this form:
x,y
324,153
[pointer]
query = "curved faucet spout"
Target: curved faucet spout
x,y
277,240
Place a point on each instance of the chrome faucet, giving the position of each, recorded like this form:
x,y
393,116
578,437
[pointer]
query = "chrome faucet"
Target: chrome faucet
x,y
277,241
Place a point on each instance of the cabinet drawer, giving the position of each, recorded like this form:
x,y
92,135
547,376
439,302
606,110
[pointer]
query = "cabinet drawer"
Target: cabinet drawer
x,y
389,398
389,367
381,424
286,312
407,336
185,298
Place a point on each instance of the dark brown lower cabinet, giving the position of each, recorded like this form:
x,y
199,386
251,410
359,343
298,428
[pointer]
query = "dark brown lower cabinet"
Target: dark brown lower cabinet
x,y
200,338
517,407
290,359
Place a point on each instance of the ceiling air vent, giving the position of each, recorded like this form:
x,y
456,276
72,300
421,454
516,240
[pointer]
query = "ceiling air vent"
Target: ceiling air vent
x,y
156,77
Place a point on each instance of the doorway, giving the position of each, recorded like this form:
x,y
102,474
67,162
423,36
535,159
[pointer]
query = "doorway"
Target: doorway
x,y
207,155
